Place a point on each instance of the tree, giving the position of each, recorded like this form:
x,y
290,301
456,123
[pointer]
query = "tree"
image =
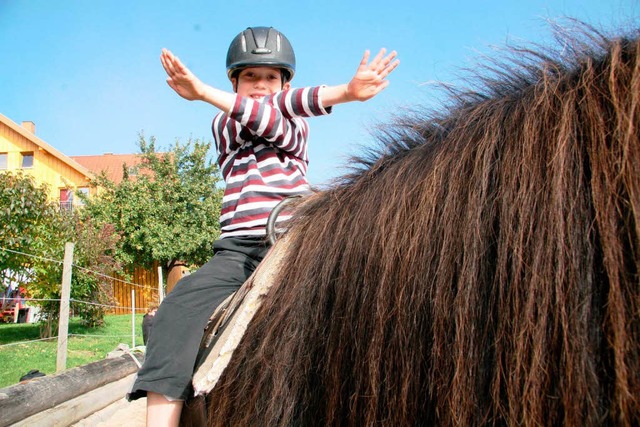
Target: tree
x,y
169,212
26,218
93,265
32,242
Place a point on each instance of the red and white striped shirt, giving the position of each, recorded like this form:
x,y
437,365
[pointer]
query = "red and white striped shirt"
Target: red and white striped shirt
x,y
262,153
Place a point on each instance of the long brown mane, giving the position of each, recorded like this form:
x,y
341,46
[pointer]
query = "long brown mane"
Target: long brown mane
x,y
482,269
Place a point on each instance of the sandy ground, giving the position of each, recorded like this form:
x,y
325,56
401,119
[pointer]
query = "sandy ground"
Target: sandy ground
x,y
118,414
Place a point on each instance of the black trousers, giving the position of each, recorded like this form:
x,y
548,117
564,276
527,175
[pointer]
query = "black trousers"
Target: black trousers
x,y
179,324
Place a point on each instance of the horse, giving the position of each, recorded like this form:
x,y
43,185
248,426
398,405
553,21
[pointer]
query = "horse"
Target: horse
x,y
481,267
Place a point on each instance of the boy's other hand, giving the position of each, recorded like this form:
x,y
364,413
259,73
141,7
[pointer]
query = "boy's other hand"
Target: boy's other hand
x,y
370,78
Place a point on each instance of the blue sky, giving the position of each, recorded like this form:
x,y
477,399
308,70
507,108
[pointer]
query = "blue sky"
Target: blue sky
x,y
88,72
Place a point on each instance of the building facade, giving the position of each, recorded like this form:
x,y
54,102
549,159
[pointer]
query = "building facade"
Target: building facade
x,y
21,150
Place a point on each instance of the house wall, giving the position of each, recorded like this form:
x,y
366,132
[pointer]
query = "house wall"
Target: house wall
x,y
47,168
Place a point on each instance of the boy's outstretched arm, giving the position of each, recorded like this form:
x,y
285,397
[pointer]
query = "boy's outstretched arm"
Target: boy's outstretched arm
x,y
369,80
188,86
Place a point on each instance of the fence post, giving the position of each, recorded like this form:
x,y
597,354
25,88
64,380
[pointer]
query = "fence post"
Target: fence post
x,y
133,318
160,288
63,324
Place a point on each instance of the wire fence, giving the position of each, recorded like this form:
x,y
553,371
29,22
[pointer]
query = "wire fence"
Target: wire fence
x,y
147,283
133,310
128,297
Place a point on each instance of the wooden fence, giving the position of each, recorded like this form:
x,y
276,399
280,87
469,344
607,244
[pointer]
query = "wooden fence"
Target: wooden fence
x,y
144,283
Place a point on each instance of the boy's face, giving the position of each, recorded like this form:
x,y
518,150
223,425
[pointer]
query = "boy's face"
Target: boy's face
x,y
258,82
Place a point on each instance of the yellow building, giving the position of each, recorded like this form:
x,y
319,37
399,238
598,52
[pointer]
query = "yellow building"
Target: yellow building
x,y
22,150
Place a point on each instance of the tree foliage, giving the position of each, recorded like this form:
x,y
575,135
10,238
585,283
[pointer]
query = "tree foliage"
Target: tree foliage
x,y
169,211
32,241
94,264
26,217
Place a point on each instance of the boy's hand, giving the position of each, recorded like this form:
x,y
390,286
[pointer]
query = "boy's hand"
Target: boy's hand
x,y
188,86
181,79
370,78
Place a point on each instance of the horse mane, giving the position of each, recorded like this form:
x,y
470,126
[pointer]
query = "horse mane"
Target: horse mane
x,y
482,267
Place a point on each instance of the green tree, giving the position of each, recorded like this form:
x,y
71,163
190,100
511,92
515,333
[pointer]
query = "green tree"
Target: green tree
x,y
27,219
32,242
169,211
94,264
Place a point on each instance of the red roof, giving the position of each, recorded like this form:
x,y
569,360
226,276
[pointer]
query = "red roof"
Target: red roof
x,y
111,164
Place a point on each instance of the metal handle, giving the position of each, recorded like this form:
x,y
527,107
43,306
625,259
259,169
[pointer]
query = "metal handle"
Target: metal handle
x,y
273,216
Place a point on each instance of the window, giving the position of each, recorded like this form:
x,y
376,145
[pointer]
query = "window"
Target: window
x,y
27,160
3,161
66,199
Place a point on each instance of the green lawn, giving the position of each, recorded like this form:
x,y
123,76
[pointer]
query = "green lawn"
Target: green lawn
x,y
17,360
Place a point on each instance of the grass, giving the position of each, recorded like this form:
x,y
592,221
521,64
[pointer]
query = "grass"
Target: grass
x,y
95,344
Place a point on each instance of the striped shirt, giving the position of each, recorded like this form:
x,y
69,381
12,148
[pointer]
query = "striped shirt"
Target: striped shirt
x,y
262,153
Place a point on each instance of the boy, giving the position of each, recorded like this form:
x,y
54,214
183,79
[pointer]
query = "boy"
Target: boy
x,y
261,140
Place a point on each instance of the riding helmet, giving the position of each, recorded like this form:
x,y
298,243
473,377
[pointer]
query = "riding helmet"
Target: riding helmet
x,y
260,47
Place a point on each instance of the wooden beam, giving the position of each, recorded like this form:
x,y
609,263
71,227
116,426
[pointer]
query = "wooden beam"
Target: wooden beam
x,y
23,400
81,407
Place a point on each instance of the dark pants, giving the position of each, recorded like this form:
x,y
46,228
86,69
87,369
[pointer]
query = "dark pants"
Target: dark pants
x,y
179,324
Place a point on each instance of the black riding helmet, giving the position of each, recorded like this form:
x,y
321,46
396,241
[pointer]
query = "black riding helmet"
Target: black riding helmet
x,y
260,47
